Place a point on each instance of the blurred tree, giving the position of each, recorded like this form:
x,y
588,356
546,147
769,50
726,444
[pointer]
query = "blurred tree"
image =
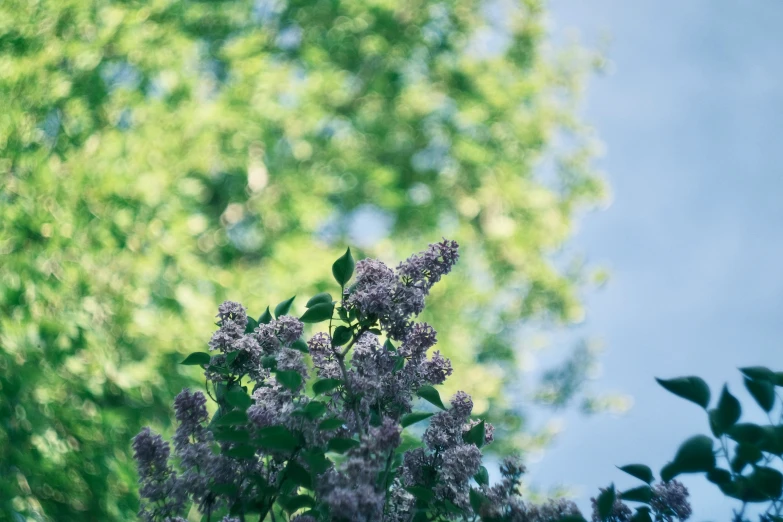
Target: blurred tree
x,y
161,156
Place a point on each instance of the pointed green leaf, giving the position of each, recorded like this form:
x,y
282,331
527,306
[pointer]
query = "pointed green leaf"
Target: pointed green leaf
x,y
266,317
641,494
323,297
399,362
695,455
342,334
413,418
241,452
318,313
314,409
431,395
642,515
341,444
251,325
300,345
763,392
325,385
239,399
277,438
331,424
389,346
283,307
760,373
477,499
227,435
228,490
299,502
639,471
768,481
746,433
726,414
231,357
669,471
475,435
420,493
291,379
605,502
232,418
691,388
298,474
482,477
342,269
197,358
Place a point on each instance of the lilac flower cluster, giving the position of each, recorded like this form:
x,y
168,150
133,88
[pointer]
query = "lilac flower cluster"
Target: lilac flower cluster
x,y
394,296
284,446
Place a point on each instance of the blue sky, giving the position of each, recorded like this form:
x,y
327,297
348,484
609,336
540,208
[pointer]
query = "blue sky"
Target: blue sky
x,y
691,113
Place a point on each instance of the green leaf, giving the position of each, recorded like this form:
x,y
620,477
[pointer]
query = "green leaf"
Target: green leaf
x,y
413,418
232,418
669,471
475,435
299,502
317,461
477,499
431,395
605,502
291,379
331,424
341,444
323,297
691,388
251,325
224,435
241,452
399,362
639,471
300,345
231,357
318,313
299,475
277,438
768,481
229,490
642,515
420,493
746,433
342,334
239,399
342,269
758,373
482,477
284,307
641,494
763,392
719,476
269,362
197,358
266,317
726,414
695,455
389,346
325,385
314,409
748,454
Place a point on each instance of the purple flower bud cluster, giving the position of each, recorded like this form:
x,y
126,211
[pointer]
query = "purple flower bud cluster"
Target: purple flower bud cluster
x,y
393,297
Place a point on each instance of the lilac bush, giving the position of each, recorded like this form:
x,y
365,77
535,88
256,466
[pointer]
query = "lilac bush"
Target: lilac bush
x,y
314,429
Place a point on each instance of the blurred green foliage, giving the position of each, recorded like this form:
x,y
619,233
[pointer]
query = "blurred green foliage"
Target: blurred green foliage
x,y
158,157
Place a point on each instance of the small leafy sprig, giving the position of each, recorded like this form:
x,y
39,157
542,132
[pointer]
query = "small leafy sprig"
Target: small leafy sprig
x,y
749,450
